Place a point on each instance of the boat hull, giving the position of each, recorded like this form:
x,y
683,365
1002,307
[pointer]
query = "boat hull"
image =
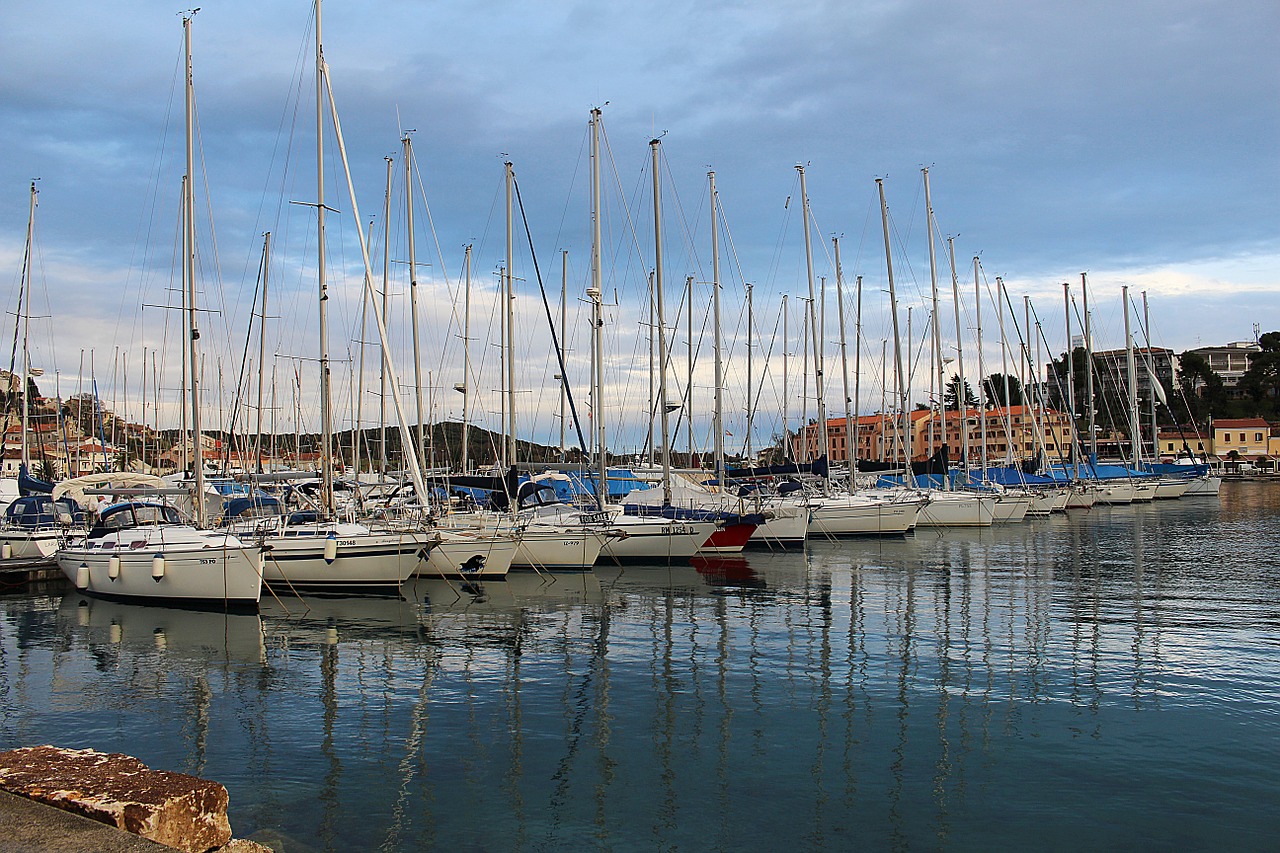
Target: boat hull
x,y
359,561
192,572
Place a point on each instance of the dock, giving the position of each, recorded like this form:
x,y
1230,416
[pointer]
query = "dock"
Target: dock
x,y
19,571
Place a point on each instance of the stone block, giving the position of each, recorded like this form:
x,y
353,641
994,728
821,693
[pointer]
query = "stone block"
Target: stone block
x,y
170,808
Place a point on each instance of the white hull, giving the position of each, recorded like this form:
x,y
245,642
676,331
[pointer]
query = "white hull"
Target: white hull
x,y
360,560
1204,487
1144,491
1010,509
1082,496
650,539
855,515
470,556
30,544
1171,489
787,524
1115,492
954,509
197,566
563,549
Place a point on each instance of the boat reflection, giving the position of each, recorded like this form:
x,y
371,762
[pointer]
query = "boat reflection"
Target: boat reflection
x,y
181,634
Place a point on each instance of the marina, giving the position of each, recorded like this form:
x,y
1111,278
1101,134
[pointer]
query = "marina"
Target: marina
x,y
1096,679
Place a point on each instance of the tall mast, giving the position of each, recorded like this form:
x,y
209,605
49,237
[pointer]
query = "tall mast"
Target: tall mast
x,y
937,325
326,414
688,406
262,343
844,363
1150,361
26,325
751,324
413,288
596,294
1135,431
189,257
663,415
818,379
564,325
1071,373
897,340
1088,373
509,303
982,370
466,361
961,401
718,412
786,397
857,382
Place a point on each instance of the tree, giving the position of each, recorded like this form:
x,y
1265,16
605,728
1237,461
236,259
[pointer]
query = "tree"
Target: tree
x,y
950,397
993,388
1201,387
1262,380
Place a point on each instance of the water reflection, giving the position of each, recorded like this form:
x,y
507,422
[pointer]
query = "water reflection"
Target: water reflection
x,y
969,689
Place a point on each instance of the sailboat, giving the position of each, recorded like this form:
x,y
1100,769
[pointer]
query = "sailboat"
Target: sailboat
x,y
141,548
30,526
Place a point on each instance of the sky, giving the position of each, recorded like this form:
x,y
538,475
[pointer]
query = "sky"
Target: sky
x,y
1135,142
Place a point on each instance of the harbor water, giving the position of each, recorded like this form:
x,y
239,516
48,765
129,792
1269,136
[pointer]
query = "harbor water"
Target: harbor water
x,y
1107,679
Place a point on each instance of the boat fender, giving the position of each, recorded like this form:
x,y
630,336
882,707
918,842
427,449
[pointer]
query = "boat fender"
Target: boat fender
x,y
6,550
157,568
331,547
472,565
82,576
113,567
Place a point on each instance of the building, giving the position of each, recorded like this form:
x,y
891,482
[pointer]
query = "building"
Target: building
x,y
1111,371
1231,361
1247,438
1013,433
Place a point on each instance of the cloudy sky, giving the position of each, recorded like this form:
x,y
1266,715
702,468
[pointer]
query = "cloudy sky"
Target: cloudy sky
x,y
1135,141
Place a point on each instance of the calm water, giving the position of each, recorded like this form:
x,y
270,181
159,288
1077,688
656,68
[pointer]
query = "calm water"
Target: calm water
x,y
1101,681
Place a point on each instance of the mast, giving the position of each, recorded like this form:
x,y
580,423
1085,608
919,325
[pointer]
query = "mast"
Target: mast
x,y
982,370
961,397
564,325
818,379
844,364
509,451
413,284
326,413
262,343
26,328
897,340
1153,379
189,258
1135,431
466,362
857,382
786,397
663,417
1088,352
596,295
1071,373
937,326
751,323
718,411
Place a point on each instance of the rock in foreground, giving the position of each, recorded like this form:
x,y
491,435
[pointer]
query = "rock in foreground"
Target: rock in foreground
x,y
170,808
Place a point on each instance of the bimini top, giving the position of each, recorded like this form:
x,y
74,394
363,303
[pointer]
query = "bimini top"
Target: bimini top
x,y
41,510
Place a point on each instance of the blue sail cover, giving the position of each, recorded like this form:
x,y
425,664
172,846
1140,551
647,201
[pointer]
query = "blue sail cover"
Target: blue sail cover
x,y
1011,476
1094,471
1189,471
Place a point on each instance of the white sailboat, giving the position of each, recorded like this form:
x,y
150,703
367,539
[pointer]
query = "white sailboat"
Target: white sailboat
x,y
29,528
321,551
141,548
